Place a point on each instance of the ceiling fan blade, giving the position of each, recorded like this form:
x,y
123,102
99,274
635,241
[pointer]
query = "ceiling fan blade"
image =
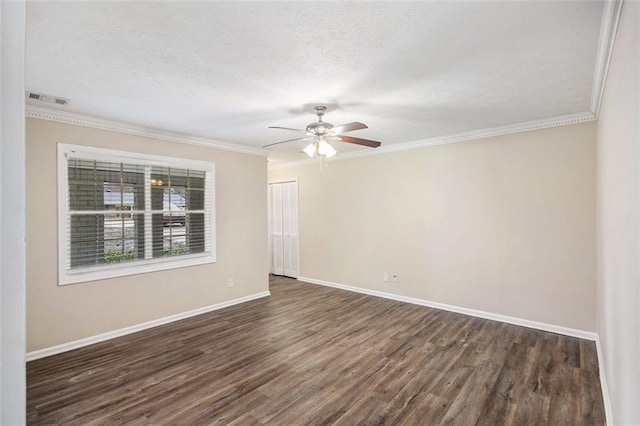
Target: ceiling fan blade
x,y
359,141
288,128
349,127
289,140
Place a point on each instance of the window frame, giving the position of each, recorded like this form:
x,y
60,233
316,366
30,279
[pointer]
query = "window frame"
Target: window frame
x,y
113,270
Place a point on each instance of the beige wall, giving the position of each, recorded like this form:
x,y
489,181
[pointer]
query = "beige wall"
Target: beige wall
x,y
504,225
60,314
618,295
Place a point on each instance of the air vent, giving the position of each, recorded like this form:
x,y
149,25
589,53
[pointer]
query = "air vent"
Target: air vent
x,y
47,98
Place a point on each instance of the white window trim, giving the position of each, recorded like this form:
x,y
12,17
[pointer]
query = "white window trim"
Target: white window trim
x,y
136,267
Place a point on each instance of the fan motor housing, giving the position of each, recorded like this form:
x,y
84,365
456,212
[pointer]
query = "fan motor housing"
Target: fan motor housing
x,y
319,128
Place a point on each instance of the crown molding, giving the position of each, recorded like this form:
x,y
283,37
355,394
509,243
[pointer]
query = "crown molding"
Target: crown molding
x,y
527,126
608,30
66,117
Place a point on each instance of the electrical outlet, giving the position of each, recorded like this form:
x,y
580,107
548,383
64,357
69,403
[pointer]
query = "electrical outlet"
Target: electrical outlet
x,y
385,277
395,278
230,282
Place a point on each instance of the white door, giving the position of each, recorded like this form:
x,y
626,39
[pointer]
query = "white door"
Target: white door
x,y
290,228
275,229
283,228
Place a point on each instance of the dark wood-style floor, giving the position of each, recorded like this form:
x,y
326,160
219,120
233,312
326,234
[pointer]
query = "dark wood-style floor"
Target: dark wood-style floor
x,y
315,355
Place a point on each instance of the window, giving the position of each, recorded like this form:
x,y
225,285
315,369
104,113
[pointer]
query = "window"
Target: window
x,y
123,213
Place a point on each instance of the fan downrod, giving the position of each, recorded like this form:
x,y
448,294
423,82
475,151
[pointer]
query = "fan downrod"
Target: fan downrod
x,y
320,110
321,127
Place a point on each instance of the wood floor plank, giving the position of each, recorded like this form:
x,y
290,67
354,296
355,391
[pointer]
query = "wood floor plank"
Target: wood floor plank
x,y
503,398
315,355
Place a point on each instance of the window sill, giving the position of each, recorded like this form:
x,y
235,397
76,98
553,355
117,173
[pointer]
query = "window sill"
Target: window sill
x,y
132,268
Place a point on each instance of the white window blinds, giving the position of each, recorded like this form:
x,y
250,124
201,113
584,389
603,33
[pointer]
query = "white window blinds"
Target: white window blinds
x,y
121,210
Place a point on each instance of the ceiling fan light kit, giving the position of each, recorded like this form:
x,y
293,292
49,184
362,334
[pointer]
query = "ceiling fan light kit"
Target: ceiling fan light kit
x,y
311,150
320,147
325,149
322,132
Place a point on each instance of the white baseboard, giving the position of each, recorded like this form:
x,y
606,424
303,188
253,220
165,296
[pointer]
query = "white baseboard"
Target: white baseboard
x,y
603,384
466,311
53,350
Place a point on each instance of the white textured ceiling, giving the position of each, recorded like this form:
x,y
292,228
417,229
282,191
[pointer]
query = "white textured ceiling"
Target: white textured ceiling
x,y
227,70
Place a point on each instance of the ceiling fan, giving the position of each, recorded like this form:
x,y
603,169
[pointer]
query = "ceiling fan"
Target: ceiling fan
x,y
321,133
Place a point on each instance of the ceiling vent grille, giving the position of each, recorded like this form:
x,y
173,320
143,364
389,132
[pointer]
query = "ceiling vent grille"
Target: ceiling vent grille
x,y
47,98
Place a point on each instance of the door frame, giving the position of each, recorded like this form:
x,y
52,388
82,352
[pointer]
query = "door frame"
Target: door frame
x,y
283,180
